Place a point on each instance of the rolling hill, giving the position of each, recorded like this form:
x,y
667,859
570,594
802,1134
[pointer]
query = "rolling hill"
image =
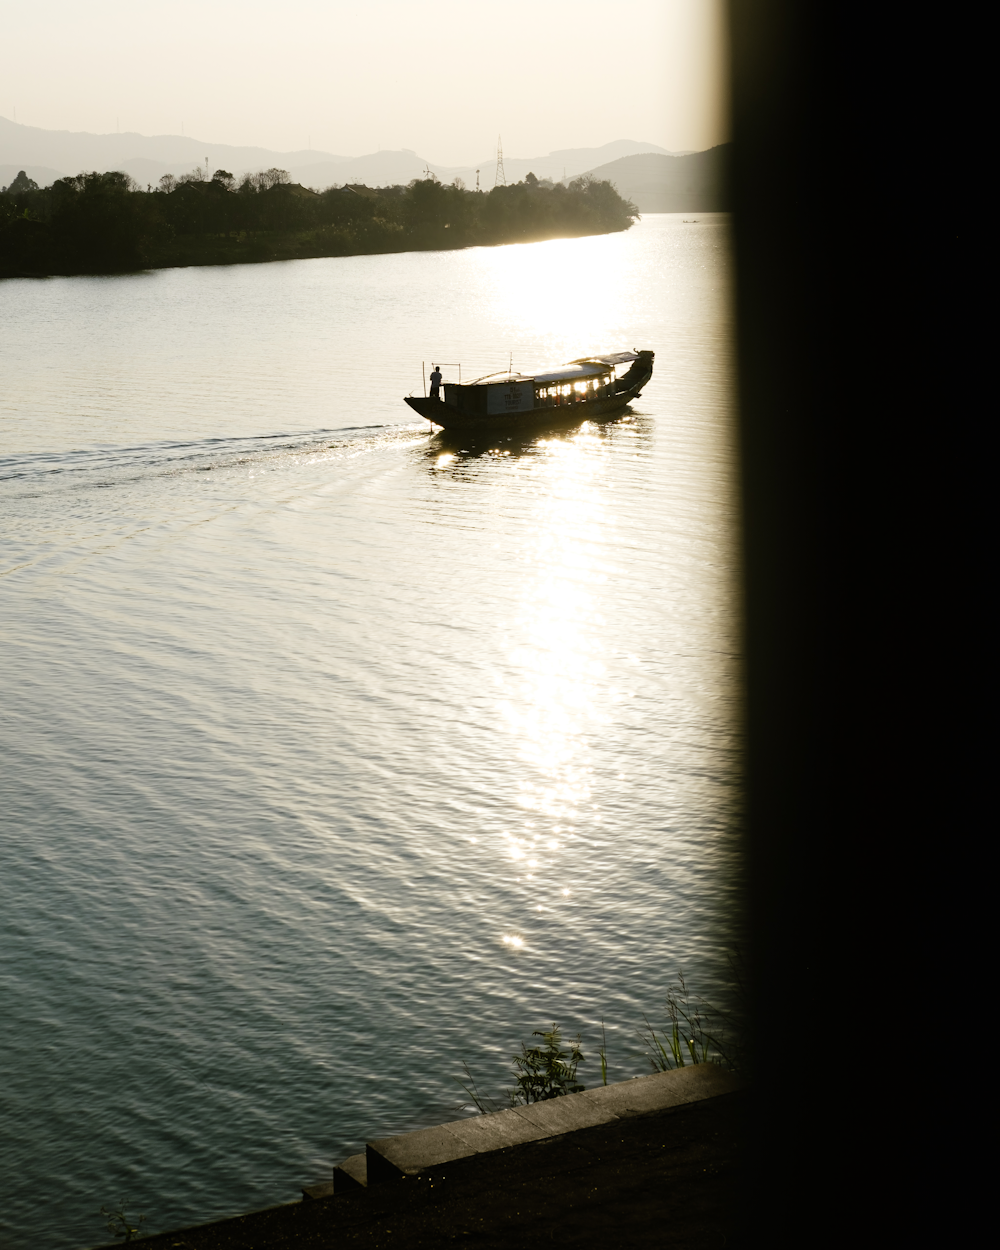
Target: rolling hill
x,y
658,183
49,154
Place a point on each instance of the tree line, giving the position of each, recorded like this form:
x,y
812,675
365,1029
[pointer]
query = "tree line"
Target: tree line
x,y
106,223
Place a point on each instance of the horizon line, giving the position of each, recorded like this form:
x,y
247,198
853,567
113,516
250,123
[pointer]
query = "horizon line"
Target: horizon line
x,y
325,154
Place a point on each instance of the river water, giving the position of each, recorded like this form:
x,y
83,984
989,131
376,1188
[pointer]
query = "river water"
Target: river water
x,y
336,755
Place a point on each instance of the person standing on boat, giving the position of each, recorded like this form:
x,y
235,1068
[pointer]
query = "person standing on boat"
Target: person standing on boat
x,y
436,383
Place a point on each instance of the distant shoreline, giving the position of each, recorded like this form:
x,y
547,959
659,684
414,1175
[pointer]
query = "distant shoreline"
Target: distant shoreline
x,y
264,248
104,224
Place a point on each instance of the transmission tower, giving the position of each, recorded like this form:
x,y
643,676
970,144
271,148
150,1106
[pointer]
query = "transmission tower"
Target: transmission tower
x,y
501,178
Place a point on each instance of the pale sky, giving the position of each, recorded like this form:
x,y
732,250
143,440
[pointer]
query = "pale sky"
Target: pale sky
x,y
442,78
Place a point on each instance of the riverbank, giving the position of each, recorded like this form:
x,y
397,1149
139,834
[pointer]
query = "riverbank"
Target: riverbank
x,y
240,248
663,1168
103,223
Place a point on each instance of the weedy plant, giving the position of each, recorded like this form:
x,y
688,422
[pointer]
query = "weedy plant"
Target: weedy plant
x,y
546,1071
541,1072
120,1224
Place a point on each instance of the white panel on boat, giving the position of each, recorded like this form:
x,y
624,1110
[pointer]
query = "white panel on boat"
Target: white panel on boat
x,y
514,397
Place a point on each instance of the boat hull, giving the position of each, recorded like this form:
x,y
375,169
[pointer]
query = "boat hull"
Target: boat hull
x,y
440,413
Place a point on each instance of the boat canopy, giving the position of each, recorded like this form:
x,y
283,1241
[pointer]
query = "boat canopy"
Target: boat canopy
x,y
586,367
501,379
569,373
613,358
562,373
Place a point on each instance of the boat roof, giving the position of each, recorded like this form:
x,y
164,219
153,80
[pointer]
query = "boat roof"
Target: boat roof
x,y
501,379
585,367
613,358
566,373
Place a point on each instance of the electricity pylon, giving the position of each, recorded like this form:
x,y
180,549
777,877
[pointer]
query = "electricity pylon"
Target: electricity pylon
x,y
501,178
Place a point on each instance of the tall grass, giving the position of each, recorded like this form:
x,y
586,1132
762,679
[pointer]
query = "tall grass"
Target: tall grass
x,y
686,1031
697,1032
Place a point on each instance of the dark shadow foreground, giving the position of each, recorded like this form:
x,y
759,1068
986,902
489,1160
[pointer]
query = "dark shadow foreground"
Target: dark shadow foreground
x,y
667,1179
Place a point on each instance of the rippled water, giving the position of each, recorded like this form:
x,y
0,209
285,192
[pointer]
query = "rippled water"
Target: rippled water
x,y
336,755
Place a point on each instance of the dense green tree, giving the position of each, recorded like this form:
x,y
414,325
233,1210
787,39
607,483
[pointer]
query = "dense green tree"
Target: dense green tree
x,y
105,223
100,221
21,184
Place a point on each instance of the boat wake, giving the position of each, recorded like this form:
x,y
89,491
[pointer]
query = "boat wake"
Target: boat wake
x,y
29,473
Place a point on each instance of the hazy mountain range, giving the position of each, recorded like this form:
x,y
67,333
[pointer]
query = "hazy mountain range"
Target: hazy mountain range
x,y
49,154
656,180
693,183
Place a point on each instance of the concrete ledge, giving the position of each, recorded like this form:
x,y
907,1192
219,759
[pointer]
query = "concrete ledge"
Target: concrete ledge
x,y
662,1090
390,1158
351,1174
409,1154
564,1115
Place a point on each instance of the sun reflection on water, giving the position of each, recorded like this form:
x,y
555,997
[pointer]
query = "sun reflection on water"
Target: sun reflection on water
x,y
555,698
572,305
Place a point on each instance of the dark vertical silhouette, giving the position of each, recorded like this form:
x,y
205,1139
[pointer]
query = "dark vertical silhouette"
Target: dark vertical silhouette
x,y
815,329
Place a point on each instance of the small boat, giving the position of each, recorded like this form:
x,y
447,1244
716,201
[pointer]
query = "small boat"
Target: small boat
x,y
594,386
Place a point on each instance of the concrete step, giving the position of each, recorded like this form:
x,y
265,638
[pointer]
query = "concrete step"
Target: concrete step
x,y
351,1174
323,1190
410,1154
